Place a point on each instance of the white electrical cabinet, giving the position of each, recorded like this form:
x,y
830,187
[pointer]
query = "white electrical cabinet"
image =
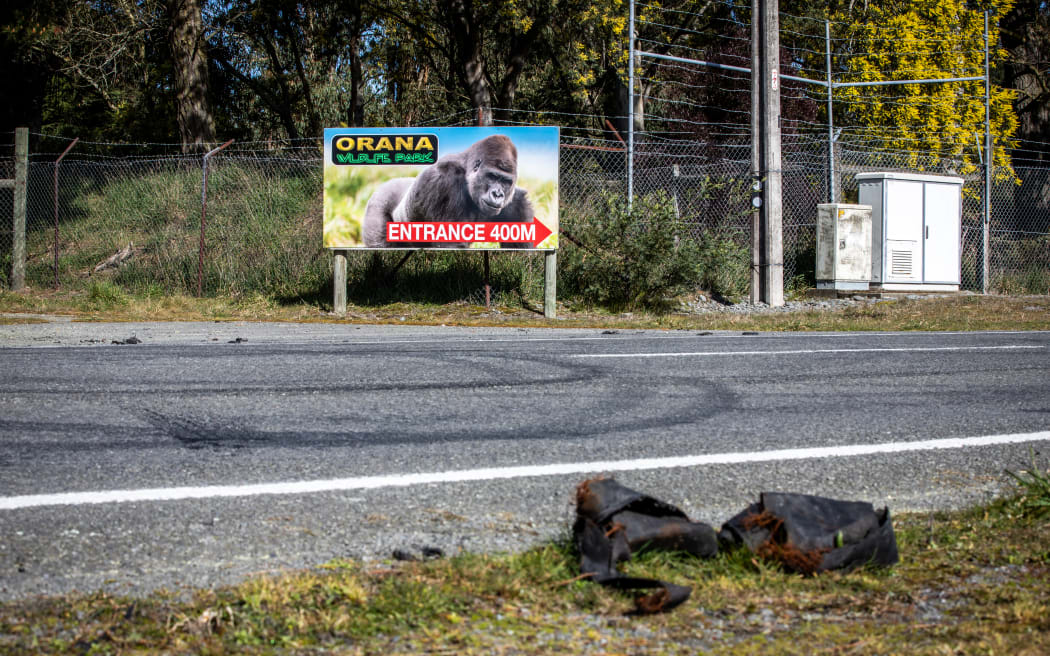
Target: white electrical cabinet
x,y
843,246
915,228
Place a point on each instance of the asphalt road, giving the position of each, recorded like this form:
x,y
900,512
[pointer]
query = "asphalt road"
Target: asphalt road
x,y
192,459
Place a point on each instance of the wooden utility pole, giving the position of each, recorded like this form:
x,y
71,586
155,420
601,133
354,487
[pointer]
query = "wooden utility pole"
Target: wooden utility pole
x,y
18,228
768,256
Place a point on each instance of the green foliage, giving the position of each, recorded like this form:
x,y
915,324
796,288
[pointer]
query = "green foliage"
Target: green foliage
x,y
1034,500
107,67
914,41
104,295
346,193
725,263
623,258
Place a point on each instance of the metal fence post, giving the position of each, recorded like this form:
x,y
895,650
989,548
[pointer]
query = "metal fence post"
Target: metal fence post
x,y
988,163
204,215
630,108
832,195
18,228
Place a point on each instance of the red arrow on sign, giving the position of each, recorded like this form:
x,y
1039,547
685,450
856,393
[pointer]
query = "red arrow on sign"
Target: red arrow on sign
x,y
451,232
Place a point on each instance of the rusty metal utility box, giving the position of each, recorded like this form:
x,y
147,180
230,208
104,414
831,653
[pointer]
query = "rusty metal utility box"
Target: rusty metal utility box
x,y
843,246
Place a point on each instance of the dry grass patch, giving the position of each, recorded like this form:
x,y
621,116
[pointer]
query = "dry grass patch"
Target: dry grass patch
x,y
104,301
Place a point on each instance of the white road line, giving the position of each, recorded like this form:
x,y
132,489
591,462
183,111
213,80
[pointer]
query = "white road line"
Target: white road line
x,y
649,333
652,333
805,351
635,334
407,480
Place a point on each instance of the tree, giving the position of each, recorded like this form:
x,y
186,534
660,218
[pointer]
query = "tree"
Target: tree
x,y
1026,69
286,64
125,69
190,64
27,67
355,20
481,49
703,101
1026,37
908,40
104,46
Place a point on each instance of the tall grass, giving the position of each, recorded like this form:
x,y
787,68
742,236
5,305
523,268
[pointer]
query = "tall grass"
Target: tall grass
x,y
1030,273
262,230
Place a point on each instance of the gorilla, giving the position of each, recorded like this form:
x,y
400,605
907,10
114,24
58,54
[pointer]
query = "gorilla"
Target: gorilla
x,y
474,185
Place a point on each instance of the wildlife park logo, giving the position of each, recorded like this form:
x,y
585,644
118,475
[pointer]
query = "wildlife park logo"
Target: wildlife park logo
x,y
373,149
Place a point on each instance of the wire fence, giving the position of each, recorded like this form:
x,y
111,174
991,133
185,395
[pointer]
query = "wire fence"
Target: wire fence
x,y
711,184
7,172
139,217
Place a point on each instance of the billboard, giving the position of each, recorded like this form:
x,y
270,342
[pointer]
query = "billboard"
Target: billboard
x,y
408,188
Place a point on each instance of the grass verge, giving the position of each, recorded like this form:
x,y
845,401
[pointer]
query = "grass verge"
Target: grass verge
x,y
103,301
968,582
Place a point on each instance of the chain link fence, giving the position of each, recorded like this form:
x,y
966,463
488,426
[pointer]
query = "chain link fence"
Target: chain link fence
x,y
711,185
1019,240
7,172
711,182
137,219
710,188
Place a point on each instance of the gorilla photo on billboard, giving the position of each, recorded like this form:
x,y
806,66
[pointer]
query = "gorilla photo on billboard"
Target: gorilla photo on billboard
x,y
477,184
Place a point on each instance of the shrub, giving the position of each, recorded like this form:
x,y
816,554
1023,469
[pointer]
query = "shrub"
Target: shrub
x,y
622,257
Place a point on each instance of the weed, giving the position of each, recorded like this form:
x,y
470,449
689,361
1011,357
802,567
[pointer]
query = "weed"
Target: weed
x,y
262,232
1034,500
104,295
1033,277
